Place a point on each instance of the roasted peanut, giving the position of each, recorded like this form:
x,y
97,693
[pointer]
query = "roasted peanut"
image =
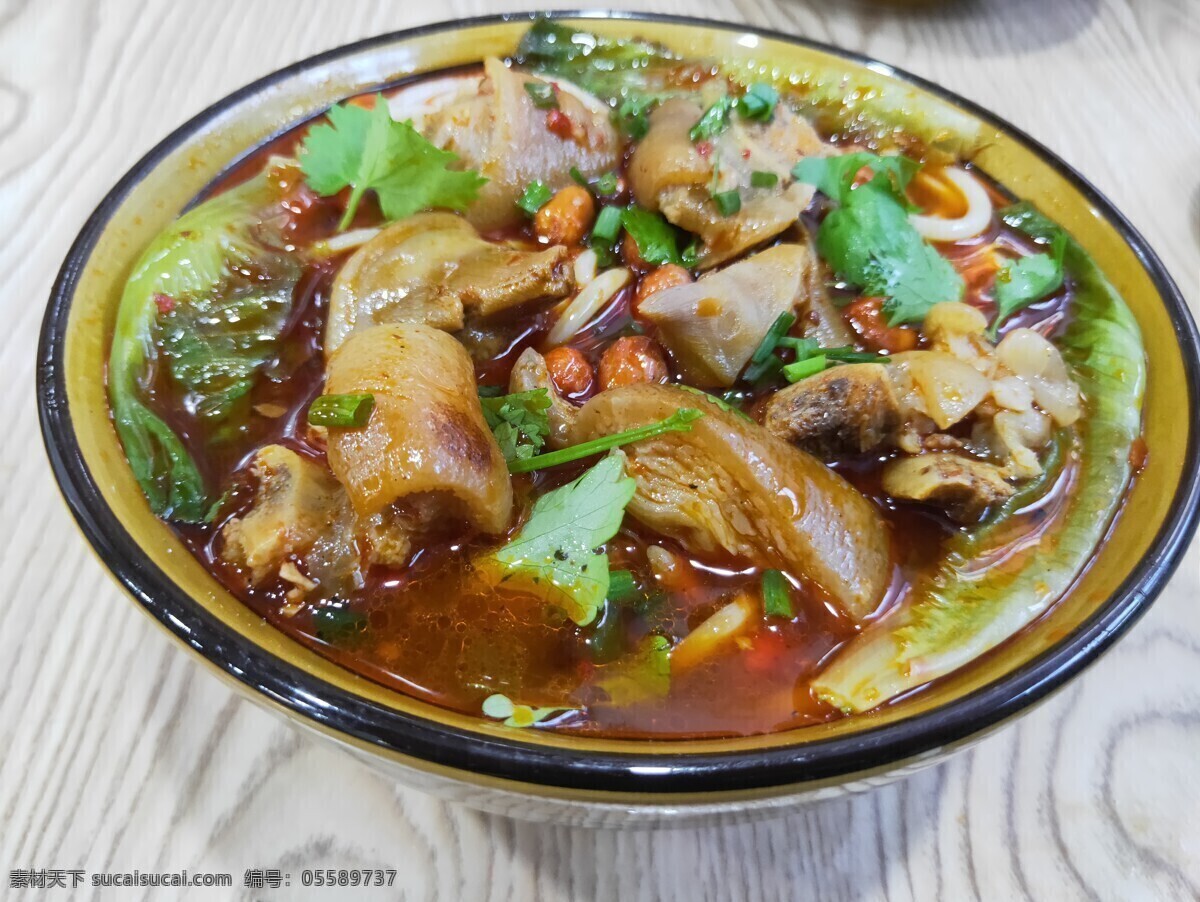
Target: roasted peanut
x,y
667,276
566,217
569,370
633,359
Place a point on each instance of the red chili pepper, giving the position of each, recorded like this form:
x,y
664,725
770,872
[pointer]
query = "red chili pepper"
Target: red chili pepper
x,y
164,303
704,148
559,123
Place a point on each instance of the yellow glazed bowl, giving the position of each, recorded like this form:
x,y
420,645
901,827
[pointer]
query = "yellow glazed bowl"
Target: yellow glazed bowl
x,y
578,778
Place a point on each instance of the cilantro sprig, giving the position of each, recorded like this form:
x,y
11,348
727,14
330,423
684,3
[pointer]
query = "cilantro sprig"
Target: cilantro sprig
x,y
366,150
1029,279
555,554
869,241
519,422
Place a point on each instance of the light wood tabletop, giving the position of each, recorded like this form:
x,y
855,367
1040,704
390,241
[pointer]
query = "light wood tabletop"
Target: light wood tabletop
x,y
118,752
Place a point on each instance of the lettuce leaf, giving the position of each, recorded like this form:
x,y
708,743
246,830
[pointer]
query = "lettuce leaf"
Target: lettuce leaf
x,y
958,613
187,293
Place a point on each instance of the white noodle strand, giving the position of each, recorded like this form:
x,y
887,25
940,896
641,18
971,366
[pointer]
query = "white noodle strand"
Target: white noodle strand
x,y
977,218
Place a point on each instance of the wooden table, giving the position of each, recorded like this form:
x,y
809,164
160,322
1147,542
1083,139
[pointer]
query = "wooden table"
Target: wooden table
x,y
118,753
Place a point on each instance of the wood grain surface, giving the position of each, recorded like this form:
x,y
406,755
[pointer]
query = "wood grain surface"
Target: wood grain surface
x,y
117,752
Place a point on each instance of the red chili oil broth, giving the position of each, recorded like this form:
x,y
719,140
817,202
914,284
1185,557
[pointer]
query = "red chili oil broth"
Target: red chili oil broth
x,y
438,633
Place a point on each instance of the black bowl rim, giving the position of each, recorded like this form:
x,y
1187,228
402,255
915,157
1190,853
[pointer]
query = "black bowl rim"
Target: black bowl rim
x,y
314,699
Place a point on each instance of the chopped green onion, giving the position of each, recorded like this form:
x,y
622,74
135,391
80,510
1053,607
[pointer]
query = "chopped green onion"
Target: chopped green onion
x,y
578,177
767,373
680,421
338,626
802,369
534,197
758,102
345,411
760,178
622,587
759,360
691,254
608,224
777,601
728,202
607,184
542,94
808,347
852,355
803,347
714,121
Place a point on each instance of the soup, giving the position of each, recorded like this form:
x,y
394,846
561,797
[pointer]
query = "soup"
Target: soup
x,y
602,390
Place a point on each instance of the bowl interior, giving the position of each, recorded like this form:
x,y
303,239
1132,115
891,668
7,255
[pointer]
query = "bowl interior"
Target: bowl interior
x,y
80,322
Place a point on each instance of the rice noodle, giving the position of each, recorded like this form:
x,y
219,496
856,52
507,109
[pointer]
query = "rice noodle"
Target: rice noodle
x,y
977,218
580,309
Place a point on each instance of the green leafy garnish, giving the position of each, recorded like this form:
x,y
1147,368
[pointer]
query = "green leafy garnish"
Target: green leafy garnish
x,y
728,202
1029,279
633,116
339,626
760,178
656,239
501,707
349,411
758,103
535,196
869,242
679,421
217,328
721,403
367,150
519,422
713,121
622,586
554,554
834,176
777,599
542,95
690,255
641,676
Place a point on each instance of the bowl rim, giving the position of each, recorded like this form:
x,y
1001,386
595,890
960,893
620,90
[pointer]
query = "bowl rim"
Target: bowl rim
x,y
374,725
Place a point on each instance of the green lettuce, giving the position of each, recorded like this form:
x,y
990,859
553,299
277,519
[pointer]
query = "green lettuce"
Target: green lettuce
x,y
189,300
959,613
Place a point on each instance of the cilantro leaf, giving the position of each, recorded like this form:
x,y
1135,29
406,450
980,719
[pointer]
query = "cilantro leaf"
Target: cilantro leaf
x,y
519,422
656,239
1021,282
869,241
644,675
834,176
554,553
367,150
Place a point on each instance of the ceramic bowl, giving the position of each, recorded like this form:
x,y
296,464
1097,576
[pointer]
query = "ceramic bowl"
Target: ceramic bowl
x,y
579,778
